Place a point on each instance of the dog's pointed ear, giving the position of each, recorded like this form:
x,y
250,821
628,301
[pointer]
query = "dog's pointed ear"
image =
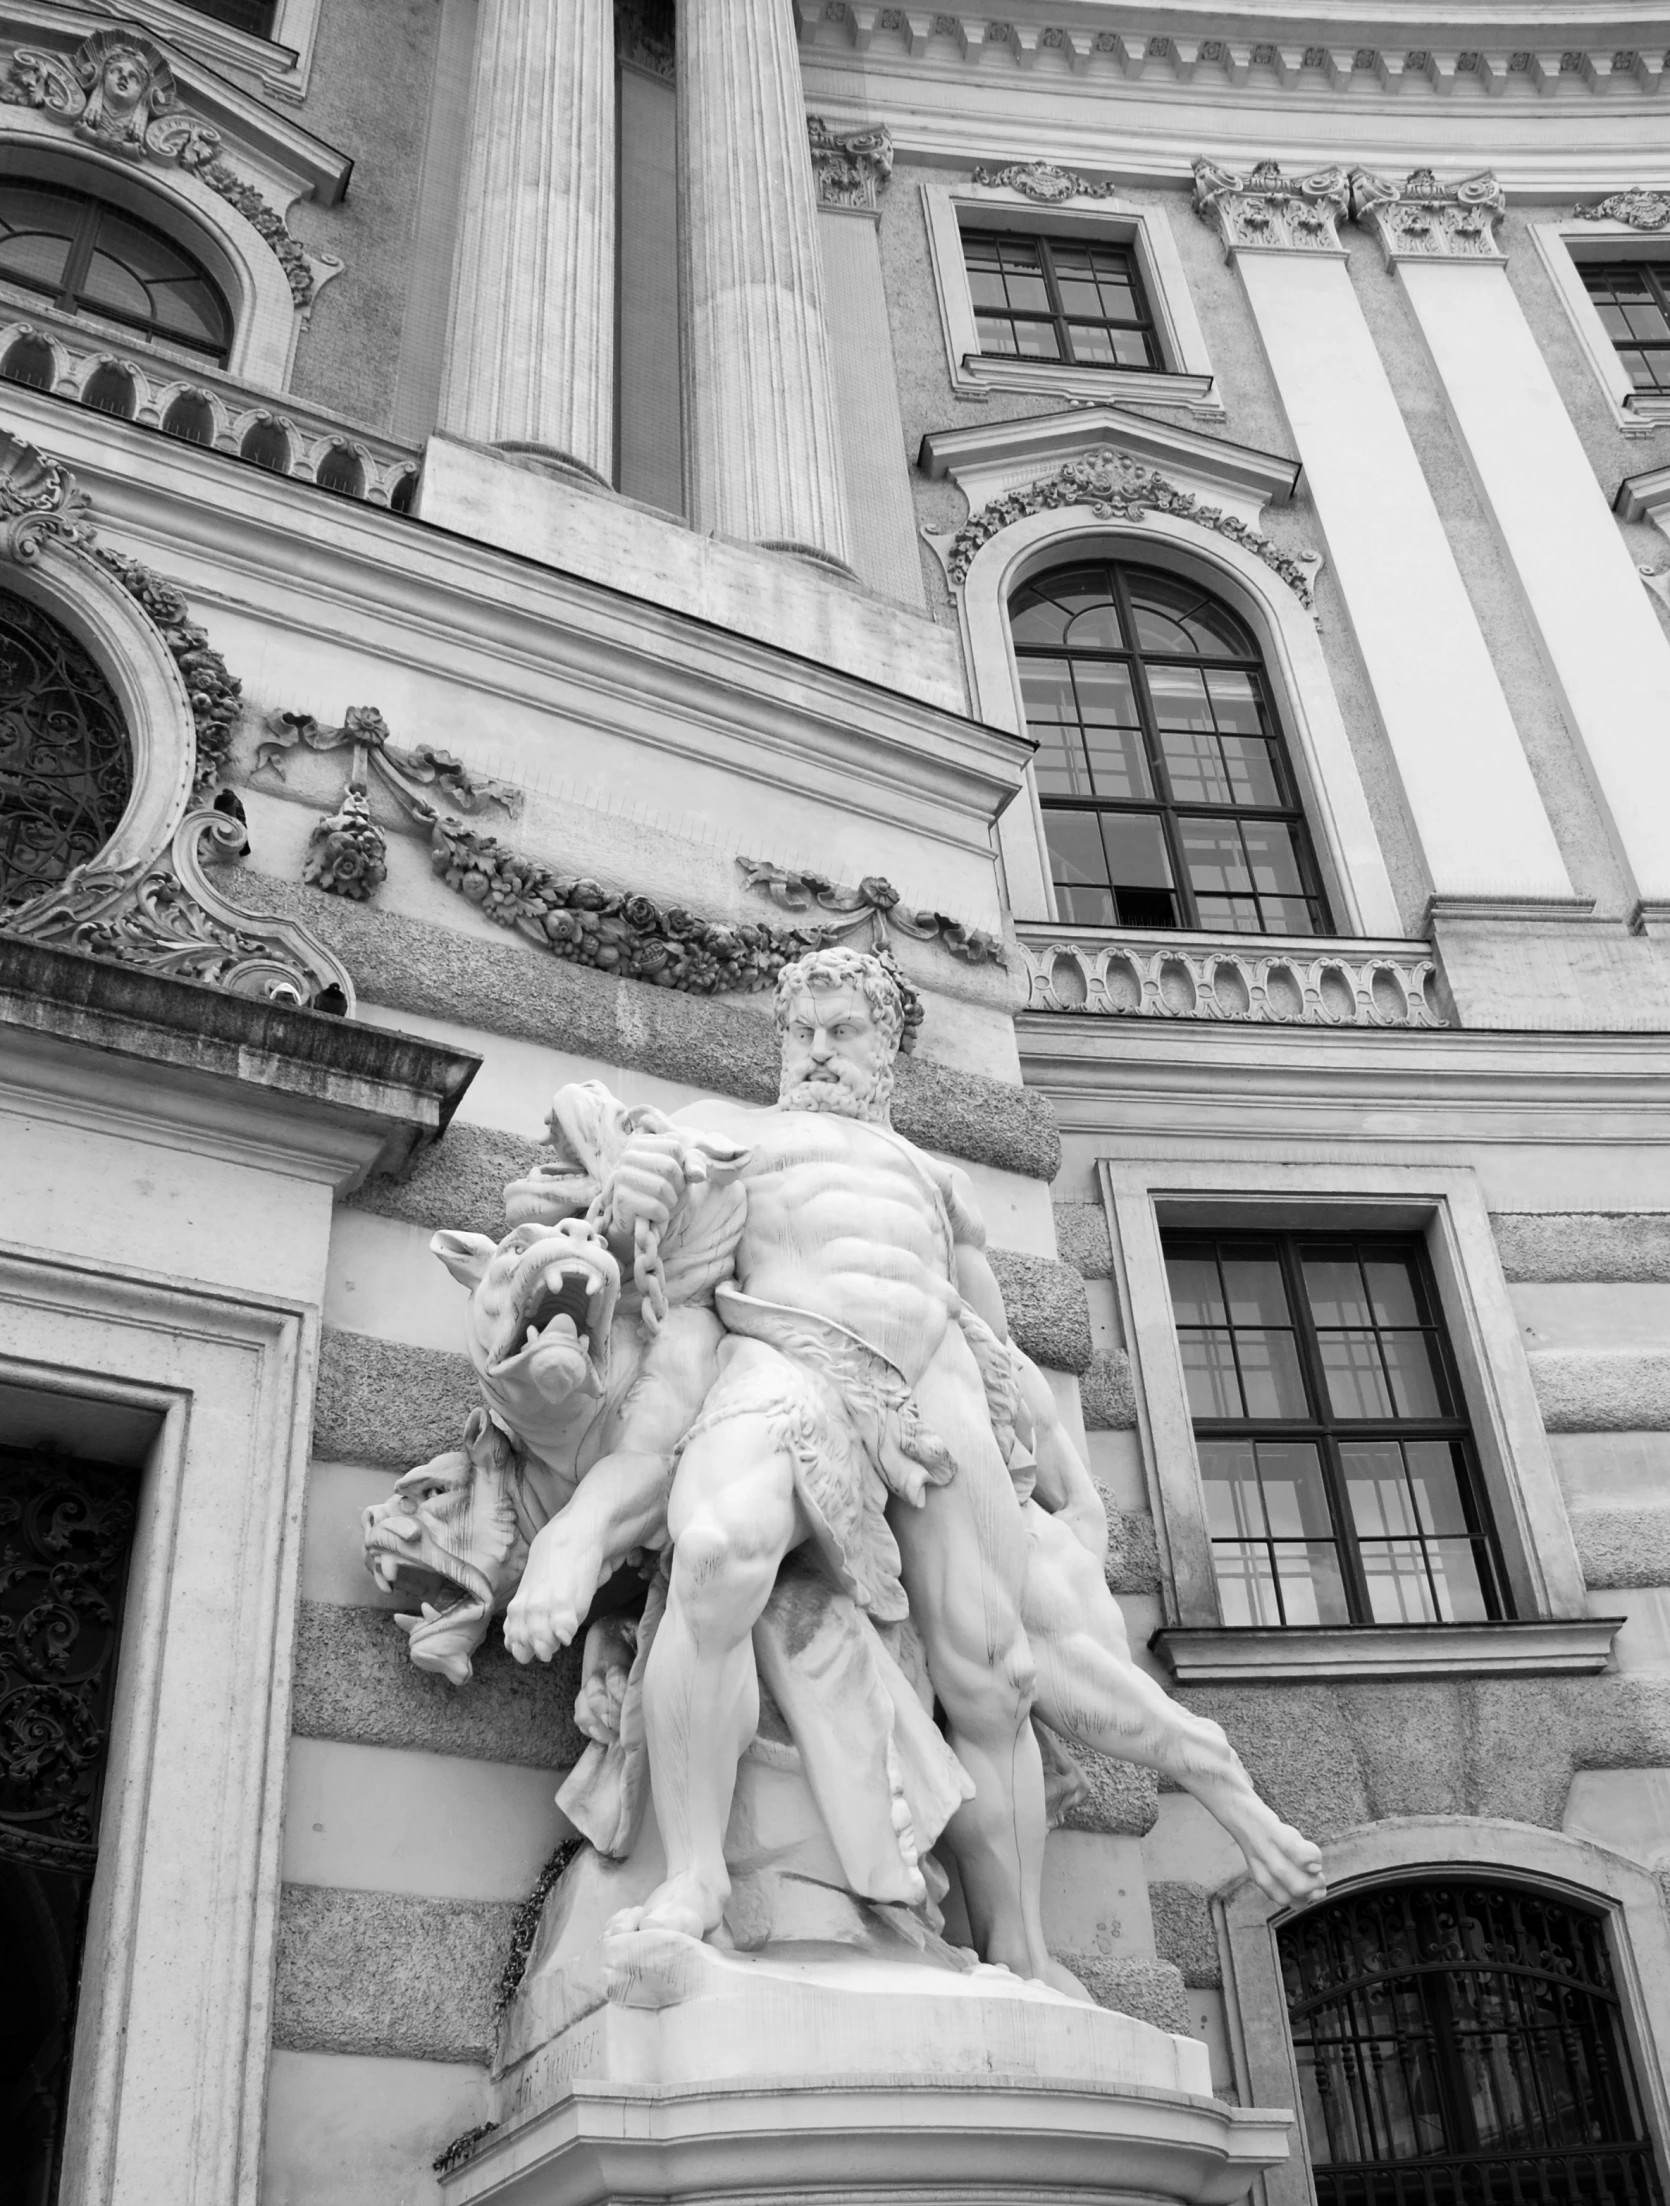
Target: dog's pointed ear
x,y
465,1255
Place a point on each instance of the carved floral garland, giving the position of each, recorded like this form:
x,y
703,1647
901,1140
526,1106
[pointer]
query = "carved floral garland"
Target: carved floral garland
x,y
215,692
1117,488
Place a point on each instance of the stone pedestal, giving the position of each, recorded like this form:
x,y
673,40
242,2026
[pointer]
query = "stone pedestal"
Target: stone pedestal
x,y
531,364
765,461
808,2072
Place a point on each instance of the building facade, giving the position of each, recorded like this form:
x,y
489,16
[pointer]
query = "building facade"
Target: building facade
x,y
518,515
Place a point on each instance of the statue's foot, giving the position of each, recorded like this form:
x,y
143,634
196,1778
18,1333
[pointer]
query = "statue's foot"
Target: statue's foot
x,y
684,1903
1285,1865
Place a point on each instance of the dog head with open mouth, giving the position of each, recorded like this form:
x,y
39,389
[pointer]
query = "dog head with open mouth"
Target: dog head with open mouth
x,y
542,1304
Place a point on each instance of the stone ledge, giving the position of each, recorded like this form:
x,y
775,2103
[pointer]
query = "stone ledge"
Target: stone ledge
x,y
1623,1547
180,1034
382,1973
1566,1246
1603,1389
382,1401
1183,1932
1106,1395
1295,1654
355,1683
508,988
1081,1235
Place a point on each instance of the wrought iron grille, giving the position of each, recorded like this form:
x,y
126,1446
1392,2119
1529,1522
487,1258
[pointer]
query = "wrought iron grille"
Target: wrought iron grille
x,y
66,765
64,1532
1462,2044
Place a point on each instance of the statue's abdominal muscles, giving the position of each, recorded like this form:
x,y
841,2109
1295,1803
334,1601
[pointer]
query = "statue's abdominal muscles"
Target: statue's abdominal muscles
x,y
841,1223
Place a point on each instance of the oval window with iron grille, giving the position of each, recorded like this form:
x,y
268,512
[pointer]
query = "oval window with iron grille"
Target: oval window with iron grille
x,y
66,764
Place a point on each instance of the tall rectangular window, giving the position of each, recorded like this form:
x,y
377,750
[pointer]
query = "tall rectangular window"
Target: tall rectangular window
x,y
1633,300
1340,1477
1044,298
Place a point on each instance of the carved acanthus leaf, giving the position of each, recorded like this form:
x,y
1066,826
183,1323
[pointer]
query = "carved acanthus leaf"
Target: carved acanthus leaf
x,y
117,91
1043,181
1422,218
40,502
1118,488
1266,210
165,917
850,168
1640,208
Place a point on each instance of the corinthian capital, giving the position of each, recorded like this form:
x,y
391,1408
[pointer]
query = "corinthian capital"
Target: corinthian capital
x,y
1265,211
852,169
1422,219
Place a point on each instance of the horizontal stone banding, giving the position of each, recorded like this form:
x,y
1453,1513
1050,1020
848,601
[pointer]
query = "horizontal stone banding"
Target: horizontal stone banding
x,y
408,964
1183,1932
384,1973
354,1682
1623,1547
1603,1389
1565,1247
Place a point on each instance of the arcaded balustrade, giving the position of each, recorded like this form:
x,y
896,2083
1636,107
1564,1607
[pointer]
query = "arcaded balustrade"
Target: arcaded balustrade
x,y
1245,982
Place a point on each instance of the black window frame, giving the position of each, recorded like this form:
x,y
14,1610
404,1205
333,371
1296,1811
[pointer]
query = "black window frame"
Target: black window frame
x,y
1657,275
1422,2002
1143,324
1327,1431
255,18
1171,810
66,296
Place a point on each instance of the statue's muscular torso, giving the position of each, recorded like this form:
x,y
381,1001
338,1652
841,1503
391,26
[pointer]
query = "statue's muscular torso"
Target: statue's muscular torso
x,y
843,1221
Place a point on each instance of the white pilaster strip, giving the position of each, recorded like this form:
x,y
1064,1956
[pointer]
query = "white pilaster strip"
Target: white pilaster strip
x,y
531,363
1476,808
1598,631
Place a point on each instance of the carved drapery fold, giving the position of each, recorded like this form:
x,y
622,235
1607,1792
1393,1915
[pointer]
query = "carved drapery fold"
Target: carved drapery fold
x,y
1265,211
1422,219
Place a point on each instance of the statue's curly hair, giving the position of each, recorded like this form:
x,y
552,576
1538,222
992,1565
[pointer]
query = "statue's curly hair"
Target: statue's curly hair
x,y
894,1004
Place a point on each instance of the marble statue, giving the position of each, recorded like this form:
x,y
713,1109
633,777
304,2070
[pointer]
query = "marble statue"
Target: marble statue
x,y
755,1361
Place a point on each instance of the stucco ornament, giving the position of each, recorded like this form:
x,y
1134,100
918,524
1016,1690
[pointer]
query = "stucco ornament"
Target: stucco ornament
x,y
1426,220
851,167
797,1486
1117,488
1265,210
1043,181
1640,208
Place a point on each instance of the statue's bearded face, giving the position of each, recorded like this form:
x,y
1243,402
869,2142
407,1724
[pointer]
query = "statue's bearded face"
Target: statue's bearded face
x,y
835,1057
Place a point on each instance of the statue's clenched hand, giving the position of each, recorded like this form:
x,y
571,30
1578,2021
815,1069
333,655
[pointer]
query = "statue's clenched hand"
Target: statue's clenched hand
x,y
646,1185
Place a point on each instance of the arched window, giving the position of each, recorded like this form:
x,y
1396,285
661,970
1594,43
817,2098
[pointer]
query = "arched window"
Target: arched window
x,y
66,765
1168,795
86,255
1461,2043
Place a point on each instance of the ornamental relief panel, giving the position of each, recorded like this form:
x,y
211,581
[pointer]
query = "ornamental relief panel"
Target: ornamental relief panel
x,y
1265,210
1424,219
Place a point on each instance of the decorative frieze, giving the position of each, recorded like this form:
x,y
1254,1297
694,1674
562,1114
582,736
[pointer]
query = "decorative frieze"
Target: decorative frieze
x,y
117,91
851,168
798,892
1422,219
1269,212
1043,181
1116,487
1234,982
1640,208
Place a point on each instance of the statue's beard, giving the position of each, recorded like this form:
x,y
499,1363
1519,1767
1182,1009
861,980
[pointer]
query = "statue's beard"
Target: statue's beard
x,y
842,1100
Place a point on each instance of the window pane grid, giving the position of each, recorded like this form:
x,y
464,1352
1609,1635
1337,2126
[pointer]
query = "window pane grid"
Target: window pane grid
x,y
1336,1468
1046,298
1168,799
1633,301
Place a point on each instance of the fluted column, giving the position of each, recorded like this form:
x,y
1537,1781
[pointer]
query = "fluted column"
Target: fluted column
x,y
765,456
532,359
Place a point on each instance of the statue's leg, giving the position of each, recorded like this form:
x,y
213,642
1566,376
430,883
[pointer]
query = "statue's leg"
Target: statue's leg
x,y
1089,1689
732,1516
964,1555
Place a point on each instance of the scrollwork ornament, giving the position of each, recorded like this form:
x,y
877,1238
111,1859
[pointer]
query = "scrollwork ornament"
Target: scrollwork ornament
x,y
1266,210
876,900
40,502
1118,488
1044,182
1424,219
1640,207
850,168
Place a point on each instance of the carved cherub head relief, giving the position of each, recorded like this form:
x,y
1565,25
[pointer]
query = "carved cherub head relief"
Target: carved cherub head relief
x,y
127,83
841,1015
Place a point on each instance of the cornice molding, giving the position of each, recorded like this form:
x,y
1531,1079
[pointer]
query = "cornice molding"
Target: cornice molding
x,y
1033,444
1422,219
1513,53
1265,211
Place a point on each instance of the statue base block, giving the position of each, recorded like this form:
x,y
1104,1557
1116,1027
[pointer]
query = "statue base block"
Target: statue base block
x,y
813,2073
